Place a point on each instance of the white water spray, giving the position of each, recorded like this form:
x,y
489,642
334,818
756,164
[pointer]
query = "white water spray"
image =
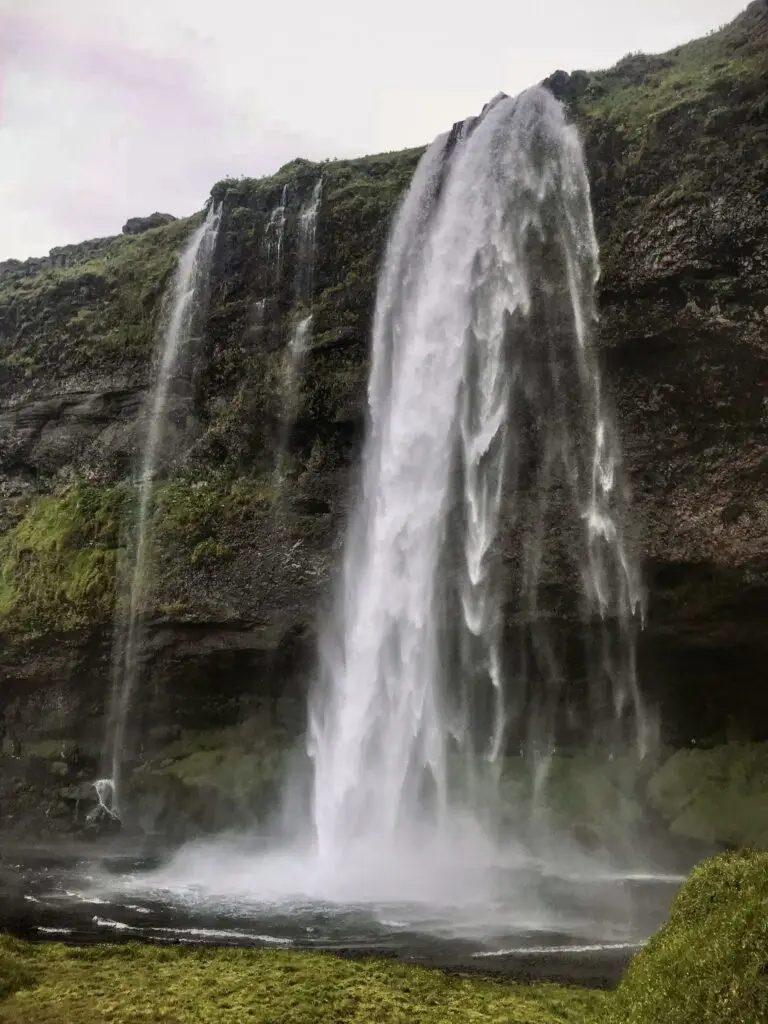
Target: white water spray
x,y
191,275
482,366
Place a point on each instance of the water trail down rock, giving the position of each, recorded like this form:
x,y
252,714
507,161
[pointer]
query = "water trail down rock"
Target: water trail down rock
x,y
187,288
275,236
488,439
301,335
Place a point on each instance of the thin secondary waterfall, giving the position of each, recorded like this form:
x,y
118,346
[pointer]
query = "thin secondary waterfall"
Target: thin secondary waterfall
x,y
188,283
275,235
488,440
301,333
305,282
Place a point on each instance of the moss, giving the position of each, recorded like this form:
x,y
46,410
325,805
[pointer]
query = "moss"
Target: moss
x,y
135,983
101,308
16,971
57,565
210,551
192,520
716,795
708,964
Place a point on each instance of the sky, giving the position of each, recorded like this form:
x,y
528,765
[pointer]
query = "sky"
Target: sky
x,y
110,110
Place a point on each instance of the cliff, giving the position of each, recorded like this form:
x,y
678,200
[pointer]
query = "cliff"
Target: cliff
x,y
677,147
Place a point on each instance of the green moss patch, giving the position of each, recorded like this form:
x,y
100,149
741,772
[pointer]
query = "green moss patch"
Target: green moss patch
x,y
134,983
709,964
57,565
716,795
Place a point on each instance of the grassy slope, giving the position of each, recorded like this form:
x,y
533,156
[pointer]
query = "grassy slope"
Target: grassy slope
x,y
133,984
709,964
99,310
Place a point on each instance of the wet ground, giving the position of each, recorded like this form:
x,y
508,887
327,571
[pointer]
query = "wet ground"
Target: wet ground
x,y
578,928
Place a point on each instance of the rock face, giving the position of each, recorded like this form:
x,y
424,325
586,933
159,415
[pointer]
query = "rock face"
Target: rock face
x,y
677,152
135,225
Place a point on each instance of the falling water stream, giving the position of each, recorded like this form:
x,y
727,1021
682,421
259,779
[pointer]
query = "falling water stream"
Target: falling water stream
x,y
190,277
301,332
481,347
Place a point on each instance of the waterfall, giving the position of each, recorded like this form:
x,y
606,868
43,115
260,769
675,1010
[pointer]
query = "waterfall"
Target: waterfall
x,y
305,281
183,305
301,334
488,441
274,235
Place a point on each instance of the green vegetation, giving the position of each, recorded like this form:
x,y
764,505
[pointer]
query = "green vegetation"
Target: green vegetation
x,y
103,307
57,565
220,778
708,964
716,795
134,984
587,797
637,92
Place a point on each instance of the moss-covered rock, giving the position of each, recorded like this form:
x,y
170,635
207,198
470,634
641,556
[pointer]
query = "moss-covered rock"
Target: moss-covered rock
x,y
708,964
58,563
719,795
209,781
94,309
133,983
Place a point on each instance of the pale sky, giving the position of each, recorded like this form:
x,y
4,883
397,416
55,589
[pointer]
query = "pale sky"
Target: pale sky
x,y
115,109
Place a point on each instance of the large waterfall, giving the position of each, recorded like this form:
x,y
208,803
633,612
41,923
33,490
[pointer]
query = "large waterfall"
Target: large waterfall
x,y
485,405
475,722
182,306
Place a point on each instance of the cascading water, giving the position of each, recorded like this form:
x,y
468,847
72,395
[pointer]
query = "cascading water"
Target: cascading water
x,y
188,282
483,375
274,237
305,282
302,330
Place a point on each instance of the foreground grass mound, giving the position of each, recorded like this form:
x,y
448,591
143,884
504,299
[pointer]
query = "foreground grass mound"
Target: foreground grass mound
x,y
709,964
138,984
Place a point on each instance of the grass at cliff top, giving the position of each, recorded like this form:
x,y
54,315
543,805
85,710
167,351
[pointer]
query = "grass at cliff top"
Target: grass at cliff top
x,y
135,984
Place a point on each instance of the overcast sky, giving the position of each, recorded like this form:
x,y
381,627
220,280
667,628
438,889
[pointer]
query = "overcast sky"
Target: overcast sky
x,y
110,110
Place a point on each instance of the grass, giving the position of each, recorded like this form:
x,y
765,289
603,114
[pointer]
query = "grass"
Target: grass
x,y
135,984
640,88
709,964
104,307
